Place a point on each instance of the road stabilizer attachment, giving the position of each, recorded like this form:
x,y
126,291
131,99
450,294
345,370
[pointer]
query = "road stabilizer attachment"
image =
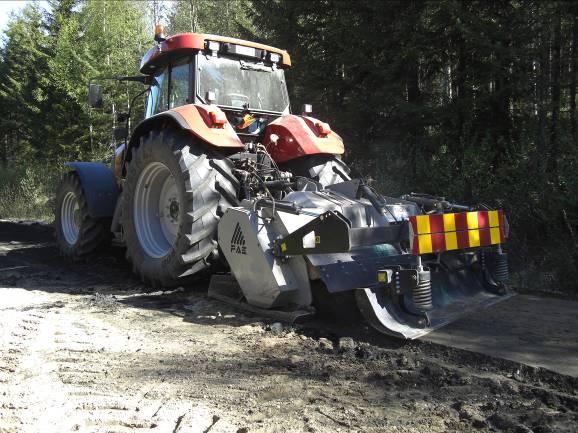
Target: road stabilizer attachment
x,y
409,304
411,273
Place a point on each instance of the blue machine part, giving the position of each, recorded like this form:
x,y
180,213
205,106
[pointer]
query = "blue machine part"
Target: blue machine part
x,y
99,186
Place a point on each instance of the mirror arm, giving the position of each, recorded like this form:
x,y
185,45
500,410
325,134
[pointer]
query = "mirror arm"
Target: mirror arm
x,y
145,79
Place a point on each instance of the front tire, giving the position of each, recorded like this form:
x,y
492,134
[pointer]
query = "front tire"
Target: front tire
x,y
174,195
78,235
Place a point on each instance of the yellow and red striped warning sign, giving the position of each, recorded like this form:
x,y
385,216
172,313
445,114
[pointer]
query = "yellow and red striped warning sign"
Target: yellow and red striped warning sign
x,y
454,231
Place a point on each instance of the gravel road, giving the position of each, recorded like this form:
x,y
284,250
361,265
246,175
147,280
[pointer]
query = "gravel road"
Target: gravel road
x,y
87,348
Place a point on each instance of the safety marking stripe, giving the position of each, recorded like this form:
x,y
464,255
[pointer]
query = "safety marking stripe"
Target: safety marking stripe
x,y
425,244
449,222
438,242
474,237
461,221
485,238
483,220
423,224
436,223
502,219
472,220
494,220
452,231
495,237
451,241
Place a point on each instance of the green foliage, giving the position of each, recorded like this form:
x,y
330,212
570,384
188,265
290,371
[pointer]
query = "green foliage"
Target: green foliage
x,y
224,17
45,75
28,193
474,101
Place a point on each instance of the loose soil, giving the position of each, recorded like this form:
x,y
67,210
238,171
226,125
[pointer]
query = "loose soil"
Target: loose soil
x,y
87,348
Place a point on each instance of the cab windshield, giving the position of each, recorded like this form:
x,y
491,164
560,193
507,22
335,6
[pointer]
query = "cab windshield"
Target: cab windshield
x,y
236,83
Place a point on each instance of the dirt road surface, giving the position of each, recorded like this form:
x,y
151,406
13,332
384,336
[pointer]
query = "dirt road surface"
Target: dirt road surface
x,y
541,332
87,348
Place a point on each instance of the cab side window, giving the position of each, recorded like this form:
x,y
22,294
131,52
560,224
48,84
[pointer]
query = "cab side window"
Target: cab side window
x,y
171,88
158,96
180,79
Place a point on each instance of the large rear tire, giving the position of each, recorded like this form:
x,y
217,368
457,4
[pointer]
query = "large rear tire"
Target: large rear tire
x,y
174,195
325,169
78,235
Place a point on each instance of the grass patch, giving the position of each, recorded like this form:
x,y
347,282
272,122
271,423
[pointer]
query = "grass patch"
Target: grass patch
x,y
27,192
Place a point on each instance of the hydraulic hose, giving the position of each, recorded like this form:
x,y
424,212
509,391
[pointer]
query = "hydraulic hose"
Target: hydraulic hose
x,y
435,203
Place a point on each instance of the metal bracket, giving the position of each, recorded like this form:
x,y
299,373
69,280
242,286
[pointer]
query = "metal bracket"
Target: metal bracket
x,y
331,233
328,233
399,280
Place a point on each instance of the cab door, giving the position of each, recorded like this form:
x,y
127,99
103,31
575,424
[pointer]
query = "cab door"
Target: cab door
x,y
172,87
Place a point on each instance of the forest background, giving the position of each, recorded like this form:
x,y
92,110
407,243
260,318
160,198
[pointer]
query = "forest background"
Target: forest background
x,y
471,100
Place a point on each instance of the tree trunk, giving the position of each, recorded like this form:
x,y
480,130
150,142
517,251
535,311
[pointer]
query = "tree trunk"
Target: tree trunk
x,y
461,101
573,67
541,78
414,98
4,156
556,72
193,16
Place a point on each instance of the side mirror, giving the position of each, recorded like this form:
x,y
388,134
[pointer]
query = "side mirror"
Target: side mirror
x,y
95,96
120,133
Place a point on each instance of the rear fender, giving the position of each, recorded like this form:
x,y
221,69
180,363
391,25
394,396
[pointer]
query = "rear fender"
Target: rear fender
x,y
300,136
194,118
99,186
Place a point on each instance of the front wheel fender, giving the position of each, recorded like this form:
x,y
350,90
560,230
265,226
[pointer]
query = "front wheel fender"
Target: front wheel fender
x,y
99,186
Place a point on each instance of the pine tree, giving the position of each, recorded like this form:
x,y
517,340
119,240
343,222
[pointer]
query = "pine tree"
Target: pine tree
x,y
22,71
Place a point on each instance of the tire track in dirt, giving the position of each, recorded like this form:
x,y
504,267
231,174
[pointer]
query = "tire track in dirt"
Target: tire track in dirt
x,y
29,376
107,357
88,359
64,370
11,350
78,353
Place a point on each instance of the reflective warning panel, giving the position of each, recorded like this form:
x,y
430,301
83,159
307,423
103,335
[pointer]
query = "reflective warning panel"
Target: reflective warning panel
x,y
455,231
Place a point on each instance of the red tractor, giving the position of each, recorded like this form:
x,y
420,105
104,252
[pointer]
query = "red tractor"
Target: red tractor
x,y
220,177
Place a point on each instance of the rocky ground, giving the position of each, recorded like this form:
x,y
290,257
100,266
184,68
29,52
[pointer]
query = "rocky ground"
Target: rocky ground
x,y
87,348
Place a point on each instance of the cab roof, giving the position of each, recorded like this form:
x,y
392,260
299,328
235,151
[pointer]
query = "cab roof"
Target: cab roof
x,y
188,43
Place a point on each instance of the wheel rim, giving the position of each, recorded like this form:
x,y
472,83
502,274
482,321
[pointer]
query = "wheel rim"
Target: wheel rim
x,y
156,210
70,218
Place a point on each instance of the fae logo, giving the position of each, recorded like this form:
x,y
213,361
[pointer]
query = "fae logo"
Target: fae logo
x,y
238,241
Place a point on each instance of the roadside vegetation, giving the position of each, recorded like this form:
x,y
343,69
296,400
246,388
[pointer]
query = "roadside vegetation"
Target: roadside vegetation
x,y
472,100
27,192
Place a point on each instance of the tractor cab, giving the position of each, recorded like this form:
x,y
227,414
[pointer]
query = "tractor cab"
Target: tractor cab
x,y
246,80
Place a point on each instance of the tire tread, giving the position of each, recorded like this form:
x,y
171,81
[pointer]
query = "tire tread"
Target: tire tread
x,y
203,173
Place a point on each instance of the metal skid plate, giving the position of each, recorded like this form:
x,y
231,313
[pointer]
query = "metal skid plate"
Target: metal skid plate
x,y
225,288
458,288
385,317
